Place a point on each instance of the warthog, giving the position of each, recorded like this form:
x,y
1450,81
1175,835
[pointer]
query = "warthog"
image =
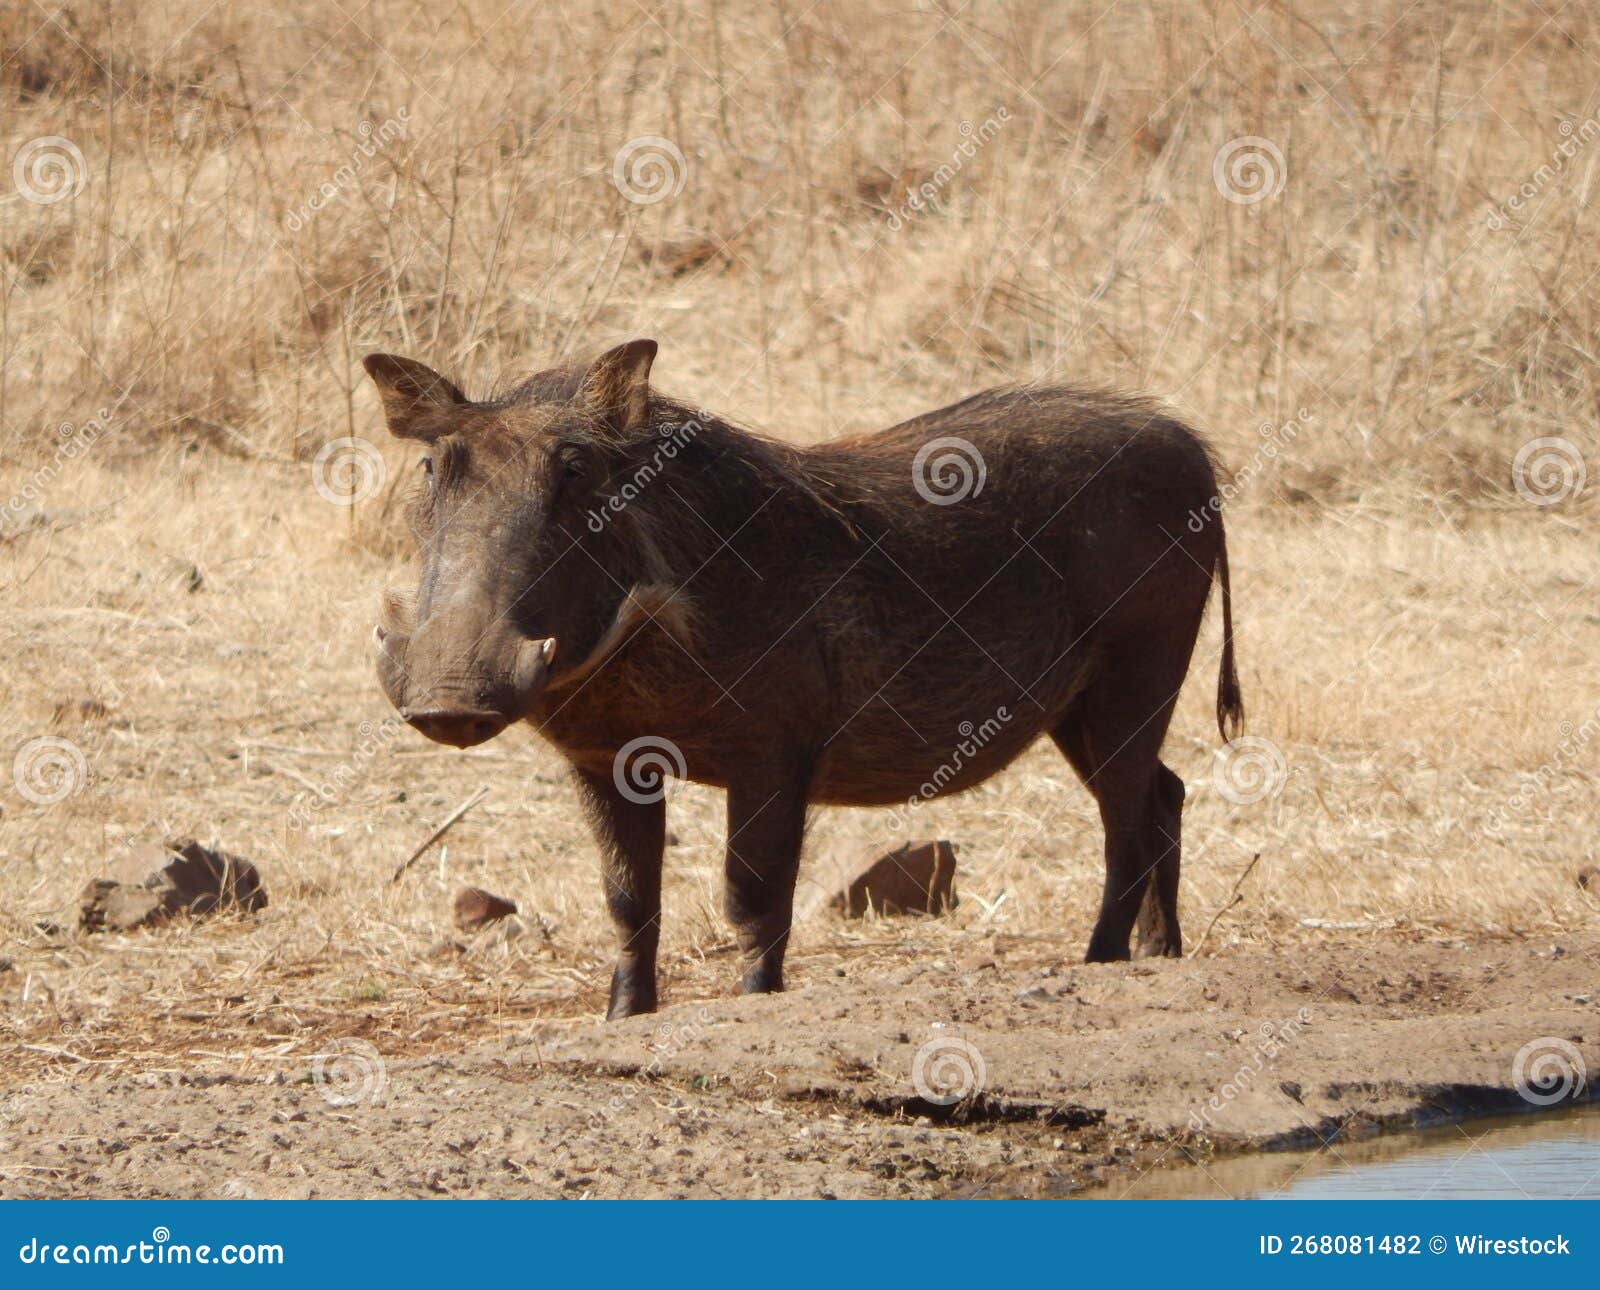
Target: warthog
x,y
657,590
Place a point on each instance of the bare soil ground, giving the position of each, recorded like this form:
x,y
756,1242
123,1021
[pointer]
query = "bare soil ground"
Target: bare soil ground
x,y
1067,1078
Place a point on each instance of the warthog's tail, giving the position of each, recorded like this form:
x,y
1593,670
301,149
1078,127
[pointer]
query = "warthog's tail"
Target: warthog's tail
x,y
1230,703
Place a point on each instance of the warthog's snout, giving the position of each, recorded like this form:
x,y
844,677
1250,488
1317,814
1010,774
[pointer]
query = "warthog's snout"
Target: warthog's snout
x,y
460,707
456,728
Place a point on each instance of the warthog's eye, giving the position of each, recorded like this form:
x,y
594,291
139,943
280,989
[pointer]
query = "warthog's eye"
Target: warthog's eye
x,y
427,470
570,464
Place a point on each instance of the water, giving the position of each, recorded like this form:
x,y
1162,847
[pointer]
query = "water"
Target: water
x,y
1552,1156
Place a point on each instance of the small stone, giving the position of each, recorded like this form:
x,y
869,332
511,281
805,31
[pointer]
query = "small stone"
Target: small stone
x,y
154,884
476,909
917,878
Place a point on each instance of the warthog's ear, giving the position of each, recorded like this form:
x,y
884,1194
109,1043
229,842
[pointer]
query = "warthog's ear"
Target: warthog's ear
x,y
618,384
413,395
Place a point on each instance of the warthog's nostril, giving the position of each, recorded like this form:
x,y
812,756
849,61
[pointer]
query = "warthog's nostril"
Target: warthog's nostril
x,y
459,729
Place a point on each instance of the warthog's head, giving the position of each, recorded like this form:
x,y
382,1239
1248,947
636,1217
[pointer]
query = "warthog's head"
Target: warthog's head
x,y
517,591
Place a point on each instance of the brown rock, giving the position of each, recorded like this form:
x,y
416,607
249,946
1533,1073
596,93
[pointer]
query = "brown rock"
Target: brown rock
x,y
153,884
917,878
476,908
1589,879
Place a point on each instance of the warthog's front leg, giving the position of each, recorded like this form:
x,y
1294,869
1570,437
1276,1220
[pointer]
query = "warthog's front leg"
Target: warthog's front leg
x,y
766,823
631,835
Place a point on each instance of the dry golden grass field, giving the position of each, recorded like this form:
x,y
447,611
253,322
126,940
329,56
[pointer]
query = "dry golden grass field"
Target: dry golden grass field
x,y
1353,243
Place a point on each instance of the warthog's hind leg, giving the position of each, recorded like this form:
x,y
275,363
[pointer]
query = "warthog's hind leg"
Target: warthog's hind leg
x,y
1112,738
631,835
1157,930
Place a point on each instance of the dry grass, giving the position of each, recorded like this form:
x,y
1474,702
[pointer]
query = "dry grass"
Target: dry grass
x,y
1414,633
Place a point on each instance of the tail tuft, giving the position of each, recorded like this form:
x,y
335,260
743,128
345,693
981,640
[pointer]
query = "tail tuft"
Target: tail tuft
x,y
1230,702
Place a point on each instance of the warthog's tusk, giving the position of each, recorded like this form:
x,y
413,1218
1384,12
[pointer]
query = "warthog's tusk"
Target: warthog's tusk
x,y
645,602
533,665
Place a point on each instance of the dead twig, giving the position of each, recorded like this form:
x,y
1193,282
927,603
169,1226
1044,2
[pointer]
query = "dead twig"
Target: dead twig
x,y
440,831
1233,899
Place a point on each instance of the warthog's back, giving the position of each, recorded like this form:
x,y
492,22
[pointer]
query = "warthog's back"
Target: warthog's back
x,y
1007,542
